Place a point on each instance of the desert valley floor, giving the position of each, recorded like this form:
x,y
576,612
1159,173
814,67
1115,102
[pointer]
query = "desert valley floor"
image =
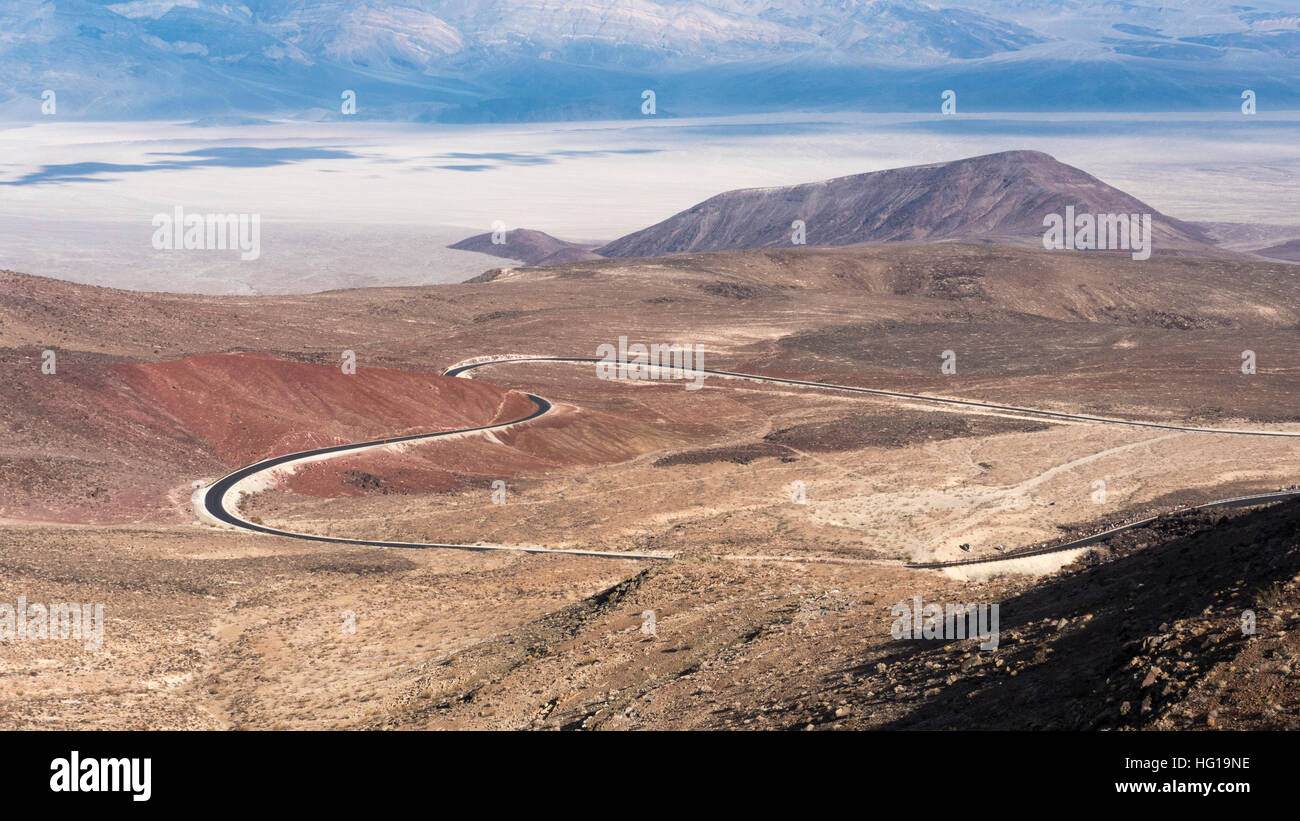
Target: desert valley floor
x,y
772,613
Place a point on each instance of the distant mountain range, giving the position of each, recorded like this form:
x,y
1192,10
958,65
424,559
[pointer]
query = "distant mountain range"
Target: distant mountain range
x,y
490,60
1001,197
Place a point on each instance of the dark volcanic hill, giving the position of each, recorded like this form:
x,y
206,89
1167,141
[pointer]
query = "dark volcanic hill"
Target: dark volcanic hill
x,y
1289,251
1001,197
528,246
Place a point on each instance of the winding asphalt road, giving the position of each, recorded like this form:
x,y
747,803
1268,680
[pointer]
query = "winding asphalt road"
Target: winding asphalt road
x,y
214,498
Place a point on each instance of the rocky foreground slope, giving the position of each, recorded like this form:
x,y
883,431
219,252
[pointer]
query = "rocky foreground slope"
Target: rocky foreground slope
x,y
1145,633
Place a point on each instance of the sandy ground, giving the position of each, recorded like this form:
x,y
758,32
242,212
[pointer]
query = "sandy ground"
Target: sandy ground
x,y
213,629
790,512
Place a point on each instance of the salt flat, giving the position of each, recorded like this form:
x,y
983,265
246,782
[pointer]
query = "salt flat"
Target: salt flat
x,y
360,204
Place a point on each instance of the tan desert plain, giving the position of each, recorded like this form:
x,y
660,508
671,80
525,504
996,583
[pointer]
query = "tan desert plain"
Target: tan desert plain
x,y
785,516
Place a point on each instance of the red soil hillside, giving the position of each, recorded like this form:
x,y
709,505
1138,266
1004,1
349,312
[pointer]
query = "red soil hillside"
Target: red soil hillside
x,y
120,442
566,438
249,406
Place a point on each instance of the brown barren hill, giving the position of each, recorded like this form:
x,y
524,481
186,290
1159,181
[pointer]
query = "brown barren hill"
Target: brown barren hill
x,y
1001,197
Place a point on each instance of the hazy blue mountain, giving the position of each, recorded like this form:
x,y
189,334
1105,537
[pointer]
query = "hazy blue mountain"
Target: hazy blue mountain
x,y
480,60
